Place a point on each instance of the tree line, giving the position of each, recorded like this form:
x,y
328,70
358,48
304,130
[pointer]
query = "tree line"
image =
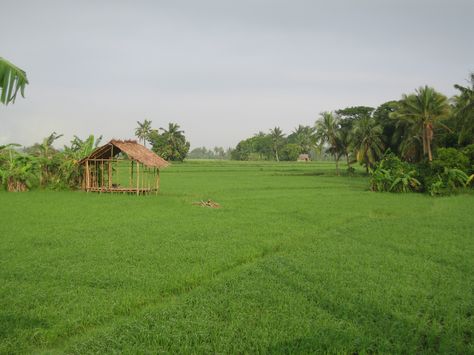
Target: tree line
x,y
421,142
425,140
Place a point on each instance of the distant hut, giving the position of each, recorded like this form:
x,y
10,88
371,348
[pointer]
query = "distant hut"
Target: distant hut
x,y
122,166
304,157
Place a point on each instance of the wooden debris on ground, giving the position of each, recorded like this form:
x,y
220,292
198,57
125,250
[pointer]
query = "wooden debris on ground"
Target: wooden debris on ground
x,y
208,203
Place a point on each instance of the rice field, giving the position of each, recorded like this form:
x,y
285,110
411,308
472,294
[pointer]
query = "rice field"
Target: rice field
x,y
297,260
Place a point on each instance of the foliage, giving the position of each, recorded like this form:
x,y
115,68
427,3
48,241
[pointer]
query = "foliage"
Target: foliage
x,y
449,181
290,152
392,174
69,172
450,158
12,81
469,153
48,158
18,172
171,144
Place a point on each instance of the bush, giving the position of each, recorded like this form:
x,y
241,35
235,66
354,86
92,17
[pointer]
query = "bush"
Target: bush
x,y
450,158
449,181
392,174
469,153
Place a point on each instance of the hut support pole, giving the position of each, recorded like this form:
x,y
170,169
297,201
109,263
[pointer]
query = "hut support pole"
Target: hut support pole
x,y
102,175
110,174
138,179
158,181
87,175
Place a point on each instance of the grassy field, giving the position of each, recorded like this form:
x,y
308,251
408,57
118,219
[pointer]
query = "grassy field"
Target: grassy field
x,y
296,260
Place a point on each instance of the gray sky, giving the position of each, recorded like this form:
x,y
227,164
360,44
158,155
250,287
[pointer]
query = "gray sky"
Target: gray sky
x,y
222,69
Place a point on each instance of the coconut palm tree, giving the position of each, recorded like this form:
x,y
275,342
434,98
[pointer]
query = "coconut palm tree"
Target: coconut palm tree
x,y
304,137
278,140
367,138
12,80
171,144
423,111
327,132
464,112
142,132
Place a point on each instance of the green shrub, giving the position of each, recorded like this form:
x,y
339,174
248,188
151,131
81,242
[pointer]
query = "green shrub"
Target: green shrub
x,y
469,153
450,158
451,180
392,174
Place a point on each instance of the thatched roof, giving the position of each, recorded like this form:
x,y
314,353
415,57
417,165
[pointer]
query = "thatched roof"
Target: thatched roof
x,y
134,151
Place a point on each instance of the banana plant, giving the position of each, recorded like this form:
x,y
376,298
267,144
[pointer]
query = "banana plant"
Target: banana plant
x,y
12,81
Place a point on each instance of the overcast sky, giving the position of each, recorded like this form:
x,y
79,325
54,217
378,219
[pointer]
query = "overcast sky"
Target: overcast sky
x,y
223,70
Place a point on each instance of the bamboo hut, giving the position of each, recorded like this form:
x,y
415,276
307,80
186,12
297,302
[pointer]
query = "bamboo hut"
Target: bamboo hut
x,y
123,167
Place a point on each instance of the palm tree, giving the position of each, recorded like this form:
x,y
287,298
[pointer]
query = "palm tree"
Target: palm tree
x,y
367,137
305,137
327,132
12,80
464,112
173,133
278,139
174,145
423,110
344,142
143,130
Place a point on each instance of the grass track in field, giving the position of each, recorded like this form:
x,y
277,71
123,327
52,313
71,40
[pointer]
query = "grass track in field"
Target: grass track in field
x,y
297,260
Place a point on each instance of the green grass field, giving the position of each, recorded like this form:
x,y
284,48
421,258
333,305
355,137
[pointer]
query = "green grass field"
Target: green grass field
x,y
297,260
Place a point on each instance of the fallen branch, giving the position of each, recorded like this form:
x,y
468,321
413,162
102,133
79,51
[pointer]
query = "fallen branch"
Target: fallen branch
x,y
208,203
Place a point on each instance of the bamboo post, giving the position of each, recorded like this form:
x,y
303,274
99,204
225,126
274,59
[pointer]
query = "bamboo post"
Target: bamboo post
x,y
156,180
138,178
110,174
131,174
87,175
102,175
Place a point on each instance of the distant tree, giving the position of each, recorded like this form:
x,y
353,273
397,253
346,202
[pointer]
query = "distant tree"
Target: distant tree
x,y
344,143
354,113
392,133
243,150
12,80
278,141
305,137
327,132
171,144
367,140
290,152
142,132
219,152
201,153
422,111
